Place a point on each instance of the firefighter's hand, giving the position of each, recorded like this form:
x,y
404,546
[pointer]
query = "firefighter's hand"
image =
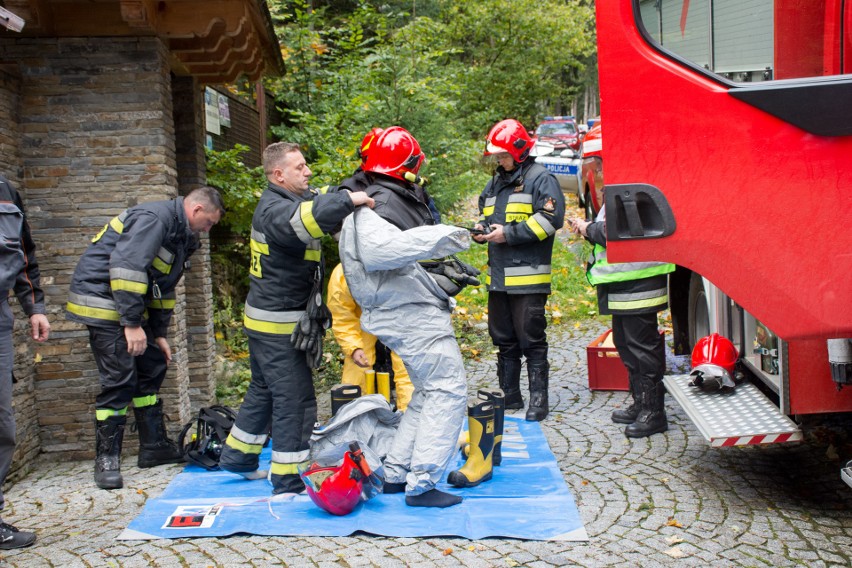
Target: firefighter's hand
x,y
40,327
361,198
137,341
579,226
163,344
477,237
360,358
496,235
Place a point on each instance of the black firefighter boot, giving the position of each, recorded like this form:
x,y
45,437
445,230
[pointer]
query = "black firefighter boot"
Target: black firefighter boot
x,y
497,397
628,415
509,377
652,414
109,434
155,447
538,371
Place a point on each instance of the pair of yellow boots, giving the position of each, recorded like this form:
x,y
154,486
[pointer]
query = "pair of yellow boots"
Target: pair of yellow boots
x,y
485,438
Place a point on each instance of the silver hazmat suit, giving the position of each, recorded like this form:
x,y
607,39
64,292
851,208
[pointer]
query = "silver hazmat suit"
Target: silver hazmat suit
x,y
404,307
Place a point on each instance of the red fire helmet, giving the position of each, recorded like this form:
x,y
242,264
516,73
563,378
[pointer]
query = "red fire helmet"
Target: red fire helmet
x,y
337,489
395,152
713,360
509,136
368,142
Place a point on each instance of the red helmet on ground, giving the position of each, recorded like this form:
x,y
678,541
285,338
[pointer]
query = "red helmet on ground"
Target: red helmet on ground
x,y
509,136
368,142
713,360
394,153
336,489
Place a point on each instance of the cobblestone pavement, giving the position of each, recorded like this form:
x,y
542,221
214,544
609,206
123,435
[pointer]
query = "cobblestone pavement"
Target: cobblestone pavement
x,y
665,500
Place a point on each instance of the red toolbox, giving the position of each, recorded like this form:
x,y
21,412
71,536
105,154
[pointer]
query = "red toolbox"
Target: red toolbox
x,y
606,371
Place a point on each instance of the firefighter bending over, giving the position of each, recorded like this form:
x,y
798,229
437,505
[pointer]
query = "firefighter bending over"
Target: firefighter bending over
x,y
123,290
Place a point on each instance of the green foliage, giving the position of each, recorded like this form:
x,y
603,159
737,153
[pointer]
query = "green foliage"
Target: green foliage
x,y
444,70
240,186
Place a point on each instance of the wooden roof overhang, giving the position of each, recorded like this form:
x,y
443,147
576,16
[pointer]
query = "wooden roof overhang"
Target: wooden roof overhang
x,y
215,41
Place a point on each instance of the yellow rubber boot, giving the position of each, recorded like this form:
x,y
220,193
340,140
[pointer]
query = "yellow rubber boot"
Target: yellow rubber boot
x,y
477,468
495,396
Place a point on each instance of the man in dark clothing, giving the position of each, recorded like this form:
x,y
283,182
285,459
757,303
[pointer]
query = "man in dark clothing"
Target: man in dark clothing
x,y
633,293
19,272
123,290
285,275
524,207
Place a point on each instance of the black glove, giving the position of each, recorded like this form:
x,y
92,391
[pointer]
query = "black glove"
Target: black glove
x,y
452,275
310,331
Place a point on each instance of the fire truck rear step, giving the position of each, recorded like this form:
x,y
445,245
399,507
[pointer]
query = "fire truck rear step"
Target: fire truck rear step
x,y
742,417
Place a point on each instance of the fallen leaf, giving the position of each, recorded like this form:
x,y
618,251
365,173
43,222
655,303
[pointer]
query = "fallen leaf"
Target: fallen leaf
x,y
37,358
471,548
585,482
675,552
448,551
511,562
674,540
672,522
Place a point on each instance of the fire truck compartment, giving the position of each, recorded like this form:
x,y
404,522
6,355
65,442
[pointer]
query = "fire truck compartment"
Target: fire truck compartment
x,y
742,417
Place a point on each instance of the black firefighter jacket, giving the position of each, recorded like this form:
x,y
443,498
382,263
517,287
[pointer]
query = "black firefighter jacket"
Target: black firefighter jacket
x,y
286,252
129,273
18,265
529,204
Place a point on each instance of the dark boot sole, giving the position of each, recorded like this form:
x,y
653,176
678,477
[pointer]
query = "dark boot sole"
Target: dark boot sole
x,y
144,464
645,433
460,481
113,485
624,420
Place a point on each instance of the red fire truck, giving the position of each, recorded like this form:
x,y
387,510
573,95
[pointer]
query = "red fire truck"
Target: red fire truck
x,y
729,152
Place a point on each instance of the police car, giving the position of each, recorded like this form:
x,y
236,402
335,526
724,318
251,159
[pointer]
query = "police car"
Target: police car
x,y
564,163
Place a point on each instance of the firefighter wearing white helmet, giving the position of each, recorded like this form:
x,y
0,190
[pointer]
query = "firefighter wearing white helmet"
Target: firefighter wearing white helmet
x,y
523,206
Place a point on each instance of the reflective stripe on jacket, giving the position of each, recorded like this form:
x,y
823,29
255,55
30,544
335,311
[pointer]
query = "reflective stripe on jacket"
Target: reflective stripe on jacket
x,y
129,273
531,207
285,254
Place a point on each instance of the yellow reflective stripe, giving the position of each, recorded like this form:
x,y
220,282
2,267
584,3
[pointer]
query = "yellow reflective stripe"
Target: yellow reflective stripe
x,y
242,446
162,304
528,280
636,304
322,190
97,237
284,468
488,279
519,208
488,210
102,414
128,286
143,401
278,328
306,214
161,266
117,225
314,255
94,313
262,248
536,228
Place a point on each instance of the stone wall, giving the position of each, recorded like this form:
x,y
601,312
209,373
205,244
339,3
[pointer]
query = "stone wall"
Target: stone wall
x,y
96,127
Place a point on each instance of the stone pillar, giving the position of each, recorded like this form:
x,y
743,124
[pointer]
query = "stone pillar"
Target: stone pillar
x,y
192,173
96,136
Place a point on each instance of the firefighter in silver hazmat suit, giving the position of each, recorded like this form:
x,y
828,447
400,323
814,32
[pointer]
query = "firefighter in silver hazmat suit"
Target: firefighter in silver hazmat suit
x,y
406,309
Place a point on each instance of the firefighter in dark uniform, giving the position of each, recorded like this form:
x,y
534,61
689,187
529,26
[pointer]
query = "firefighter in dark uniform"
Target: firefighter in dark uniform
x,y
633,293
523,207
19,272
123,290
285,272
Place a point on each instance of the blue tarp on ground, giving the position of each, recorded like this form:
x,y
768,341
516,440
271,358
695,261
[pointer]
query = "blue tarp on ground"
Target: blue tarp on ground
x,y
526,499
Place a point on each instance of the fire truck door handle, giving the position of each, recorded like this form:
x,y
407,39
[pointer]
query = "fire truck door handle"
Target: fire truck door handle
x,y
637,211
